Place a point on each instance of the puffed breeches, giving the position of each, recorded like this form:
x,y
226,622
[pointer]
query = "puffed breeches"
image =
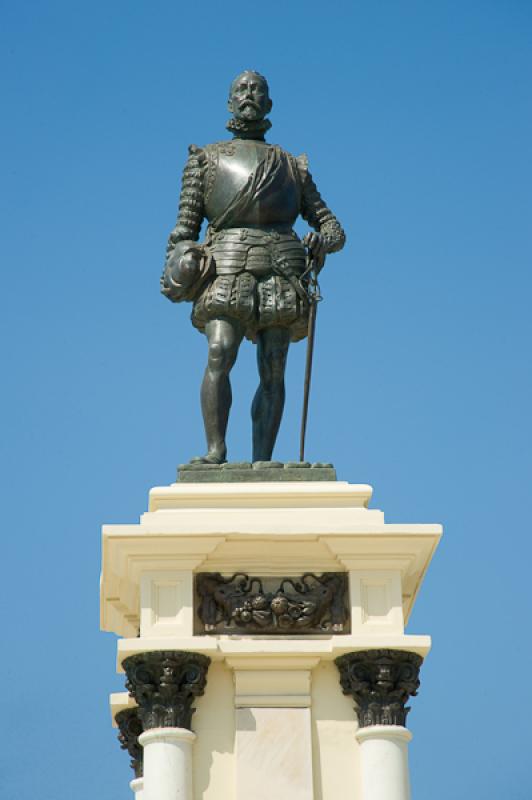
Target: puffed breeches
x,y
256,283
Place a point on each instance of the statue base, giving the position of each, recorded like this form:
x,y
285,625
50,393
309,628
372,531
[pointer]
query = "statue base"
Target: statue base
x,y
298,592
256,472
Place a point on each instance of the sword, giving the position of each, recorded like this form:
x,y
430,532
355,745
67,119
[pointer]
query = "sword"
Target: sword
x,y
309,283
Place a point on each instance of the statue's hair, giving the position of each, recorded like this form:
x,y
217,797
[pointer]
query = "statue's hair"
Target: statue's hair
x,y
249,72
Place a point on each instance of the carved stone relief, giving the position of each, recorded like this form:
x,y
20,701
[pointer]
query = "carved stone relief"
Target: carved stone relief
x,y
310,604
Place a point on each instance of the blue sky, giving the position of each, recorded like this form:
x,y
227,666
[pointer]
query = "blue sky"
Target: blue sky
x,y
417,120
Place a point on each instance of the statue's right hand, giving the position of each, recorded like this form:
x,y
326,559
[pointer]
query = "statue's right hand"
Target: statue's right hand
x,y
172,241
165,288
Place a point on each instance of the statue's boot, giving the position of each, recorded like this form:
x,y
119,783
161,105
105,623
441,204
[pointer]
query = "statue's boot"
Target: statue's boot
x,y
210,458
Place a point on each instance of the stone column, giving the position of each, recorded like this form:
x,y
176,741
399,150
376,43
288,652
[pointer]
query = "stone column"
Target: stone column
x,y
380,682
130,728
165,685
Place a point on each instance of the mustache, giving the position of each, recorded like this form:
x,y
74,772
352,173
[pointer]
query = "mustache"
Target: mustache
x,y
250,103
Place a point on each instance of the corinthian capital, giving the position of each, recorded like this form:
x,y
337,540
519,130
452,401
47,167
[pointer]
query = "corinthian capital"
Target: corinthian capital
x,y
380,682
130,728
165,684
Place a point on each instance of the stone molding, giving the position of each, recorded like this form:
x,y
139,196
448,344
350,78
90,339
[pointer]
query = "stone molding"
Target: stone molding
x,y
393,733
380,682
137,787
165,684
130,727
167,735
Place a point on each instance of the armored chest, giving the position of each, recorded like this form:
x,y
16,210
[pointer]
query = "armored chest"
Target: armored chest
x,y
231,168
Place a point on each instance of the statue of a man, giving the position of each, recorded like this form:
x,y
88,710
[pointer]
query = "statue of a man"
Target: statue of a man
x,y
244,280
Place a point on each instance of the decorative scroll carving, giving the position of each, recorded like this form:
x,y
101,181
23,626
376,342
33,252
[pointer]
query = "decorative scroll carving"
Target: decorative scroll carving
x,y
244,604
130,727
165,684
380,682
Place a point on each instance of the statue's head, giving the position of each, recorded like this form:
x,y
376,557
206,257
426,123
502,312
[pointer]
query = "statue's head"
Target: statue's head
x,y
249,97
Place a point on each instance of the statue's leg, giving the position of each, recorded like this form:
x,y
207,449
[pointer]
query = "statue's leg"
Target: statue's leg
x,y
224,337
268,404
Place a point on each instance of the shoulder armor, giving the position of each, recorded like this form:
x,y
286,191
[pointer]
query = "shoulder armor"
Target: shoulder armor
x,y
302,162
197,153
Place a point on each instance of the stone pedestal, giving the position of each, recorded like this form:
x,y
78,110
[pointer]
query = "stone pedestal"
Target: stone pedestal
x,y
272,581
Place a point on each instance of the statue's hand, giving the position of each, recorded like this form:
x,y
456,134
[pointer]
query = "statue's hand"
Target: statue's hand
x,y
317,247
172,241
165,288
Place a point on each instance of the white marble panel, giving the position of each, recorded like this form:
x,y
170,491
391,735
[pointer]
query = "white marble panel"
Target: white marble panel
x,y
274,754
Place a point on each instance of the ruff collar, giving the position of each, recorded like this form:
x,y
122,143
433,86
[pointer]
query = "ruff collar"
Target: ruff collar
x,y
248,129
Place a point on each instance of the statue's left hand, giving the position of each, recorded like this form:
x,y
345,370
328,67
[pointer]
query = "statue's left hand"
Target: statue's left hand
x,y
317,247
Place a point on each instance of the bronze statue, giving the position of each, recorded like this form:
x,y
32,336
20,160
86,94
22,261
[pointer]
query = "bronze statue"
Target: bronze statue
x,y
245,279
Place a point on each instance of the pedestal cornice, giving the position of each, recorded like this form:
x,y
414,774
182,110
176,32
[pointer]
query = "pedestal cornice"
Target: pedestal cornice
x,y
265,528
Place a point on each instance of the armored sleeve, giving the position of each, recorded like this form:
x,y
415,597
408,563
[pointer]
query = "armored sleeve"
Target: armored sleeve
x,y
315,212
191,200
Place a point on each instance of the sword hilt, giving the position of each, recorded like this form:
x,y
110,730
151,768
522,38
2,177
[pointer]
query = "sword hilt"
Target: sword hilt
x,y
309,281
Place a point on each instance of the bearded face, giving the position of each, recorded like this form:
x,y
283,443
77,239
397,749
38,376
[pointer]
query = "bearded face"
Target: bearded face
x,y
249,99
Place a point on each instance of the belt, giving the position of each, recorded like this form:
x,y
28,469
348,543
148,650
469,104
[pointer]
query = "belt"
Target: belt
x,y
264,234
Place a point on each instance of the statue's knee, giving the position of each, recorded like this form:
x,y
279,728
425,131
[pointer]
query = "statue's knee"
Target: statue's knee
x,y
221,357
278,364
278,370
272,373
216,355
